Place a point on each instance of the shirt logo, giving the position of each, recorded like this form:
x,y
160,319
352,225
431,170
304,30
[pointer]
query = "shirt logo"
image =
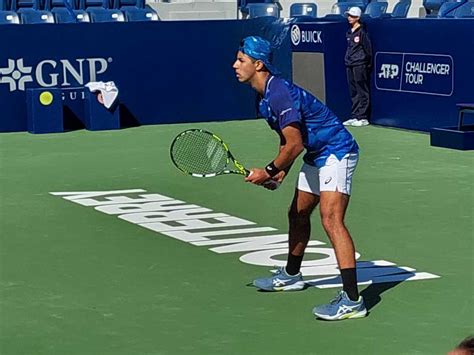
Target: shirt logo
x,y
356,39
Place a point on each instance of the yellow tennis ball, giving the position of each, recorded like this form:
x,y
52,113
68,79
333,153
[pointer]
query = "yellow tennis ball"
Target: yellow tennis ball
x,y
46,98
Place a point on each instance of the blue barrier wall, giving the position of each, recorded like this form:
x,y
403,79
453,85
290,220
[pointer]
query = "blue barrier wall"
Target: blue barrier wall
x,y
166,71
328,38
422,68
182,71
434,61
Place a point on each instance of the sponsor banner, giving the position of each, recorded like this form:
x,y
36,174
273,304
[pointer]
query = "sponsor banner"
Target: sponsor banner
x,y
431,74
47,73
222,234
305,38
150,92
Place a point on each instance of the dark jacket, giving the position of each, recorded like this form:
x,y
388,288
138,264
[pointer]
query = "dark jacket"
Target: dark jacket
x,y
359,49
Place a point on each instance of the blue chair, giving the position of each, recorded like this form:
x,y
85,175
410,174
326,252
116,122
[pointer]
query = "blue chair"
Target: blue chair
x,y
401,9
99,11
6,16
448,9
262,10
465,11
340,8
30,12
304,10
376,9
432,7
136,10
65,11
242,5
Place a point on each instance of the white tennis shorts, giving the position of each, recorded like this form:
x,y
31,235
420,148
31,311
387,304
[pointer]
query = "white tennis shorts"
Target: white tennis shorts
x,y
335,175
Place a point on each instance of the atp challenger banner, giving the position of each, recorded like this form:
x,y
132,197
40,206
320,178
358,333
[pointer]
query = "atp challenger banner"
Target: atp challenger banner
x,y
431,74
419,74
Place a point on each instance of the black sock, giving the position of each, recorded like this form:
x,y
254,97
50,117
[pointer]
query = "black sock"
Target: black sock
x,y
349,283
293,264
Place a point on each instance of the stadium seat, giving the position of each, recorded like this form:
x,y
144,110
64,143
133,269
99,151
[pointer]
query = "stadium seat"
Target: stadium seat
x,y
400,10
448,8
65,11
465,11
304,10
30,12
340,8
261,10
242,5
99,11
375,9
7,16
432,7
136,10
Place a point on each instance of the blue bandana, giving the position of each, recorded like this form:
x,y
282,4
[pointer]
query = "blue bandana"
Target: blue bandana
x,y
259,49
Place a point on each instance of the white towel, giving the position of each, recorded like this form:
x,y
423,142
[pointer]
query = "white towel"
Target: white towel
x,y
108,90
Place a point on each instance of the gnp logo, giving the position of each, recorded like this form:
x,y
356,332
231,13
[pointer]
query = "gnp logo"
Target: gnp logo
x,y
388,71
50,73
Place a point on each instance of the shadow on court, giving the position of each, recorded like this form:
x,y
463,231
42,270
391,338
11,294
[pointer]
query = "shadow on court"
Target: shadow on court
x,y
372,294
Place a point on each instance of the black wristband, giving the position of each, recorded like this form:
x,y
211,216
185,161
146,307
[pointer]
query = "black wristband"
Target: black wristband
x,y
271,169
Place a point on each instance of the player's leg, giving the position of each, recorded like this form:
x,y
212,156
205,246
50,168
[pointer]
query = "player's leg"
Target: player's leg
x,y
334,199
299,215
304,201
333,209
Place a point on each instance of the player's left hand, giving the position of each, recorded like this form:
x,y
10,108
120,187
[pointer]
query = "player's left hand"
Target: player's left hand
x,y
280,176
257,176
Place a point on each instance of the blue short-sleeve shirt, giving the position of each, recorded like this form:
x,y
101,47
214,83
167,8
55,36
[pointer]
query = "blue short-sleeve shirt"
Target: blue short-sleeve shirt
x,y
284,103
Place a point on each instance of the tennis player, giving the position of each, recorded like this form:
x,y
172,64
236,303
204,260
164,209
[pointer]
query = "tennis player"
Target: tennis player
x,y
304,123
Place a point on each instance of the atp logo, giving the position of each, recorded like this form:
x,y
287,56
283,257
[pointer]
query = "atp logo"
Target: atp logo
x,y
53,73
295,35
388,71
16,75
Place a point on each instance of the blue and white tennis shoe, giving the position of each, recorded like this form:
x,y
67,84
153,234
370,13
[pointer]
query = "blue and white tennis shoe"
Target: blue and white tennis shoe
x,y
341,307
280,281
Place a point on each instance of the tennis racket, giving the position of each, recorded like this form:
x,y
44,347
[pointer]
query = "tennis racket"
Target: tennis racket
x,y
203,154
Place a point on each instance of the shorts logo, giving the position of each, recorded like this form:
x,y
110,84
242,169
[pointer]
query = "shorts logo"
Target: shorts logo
x,y
328,180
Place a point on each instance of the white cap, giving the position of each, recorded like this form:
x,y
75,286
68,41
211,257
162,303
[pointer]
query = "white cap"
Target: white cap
x,y
354,12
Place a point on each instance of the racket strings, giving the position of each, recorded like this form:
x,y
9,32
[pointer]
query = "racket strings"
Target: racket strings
x,y
200,153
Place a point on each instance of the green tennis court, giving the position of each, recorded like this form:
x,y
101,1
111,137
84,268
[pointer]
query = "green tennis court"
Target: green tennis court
x,y
76,279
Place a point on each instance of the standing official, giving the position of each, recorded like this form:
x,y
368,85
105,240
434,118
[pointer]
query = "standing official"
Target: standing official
x,y
358,62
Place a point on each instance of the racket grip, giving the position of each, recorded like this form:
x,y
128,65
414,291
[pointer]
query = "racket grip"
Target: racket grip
x,y
271,184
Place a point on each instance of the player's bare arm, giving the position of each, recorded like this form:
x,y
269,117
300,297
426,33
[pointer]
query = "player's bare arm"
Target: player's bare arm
x,y
287,155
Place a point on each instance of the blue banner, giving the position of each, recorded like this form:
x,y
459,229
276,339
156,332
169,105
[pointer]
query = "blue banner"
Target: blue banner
x,y
173,71
417,79
306,38
431,74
